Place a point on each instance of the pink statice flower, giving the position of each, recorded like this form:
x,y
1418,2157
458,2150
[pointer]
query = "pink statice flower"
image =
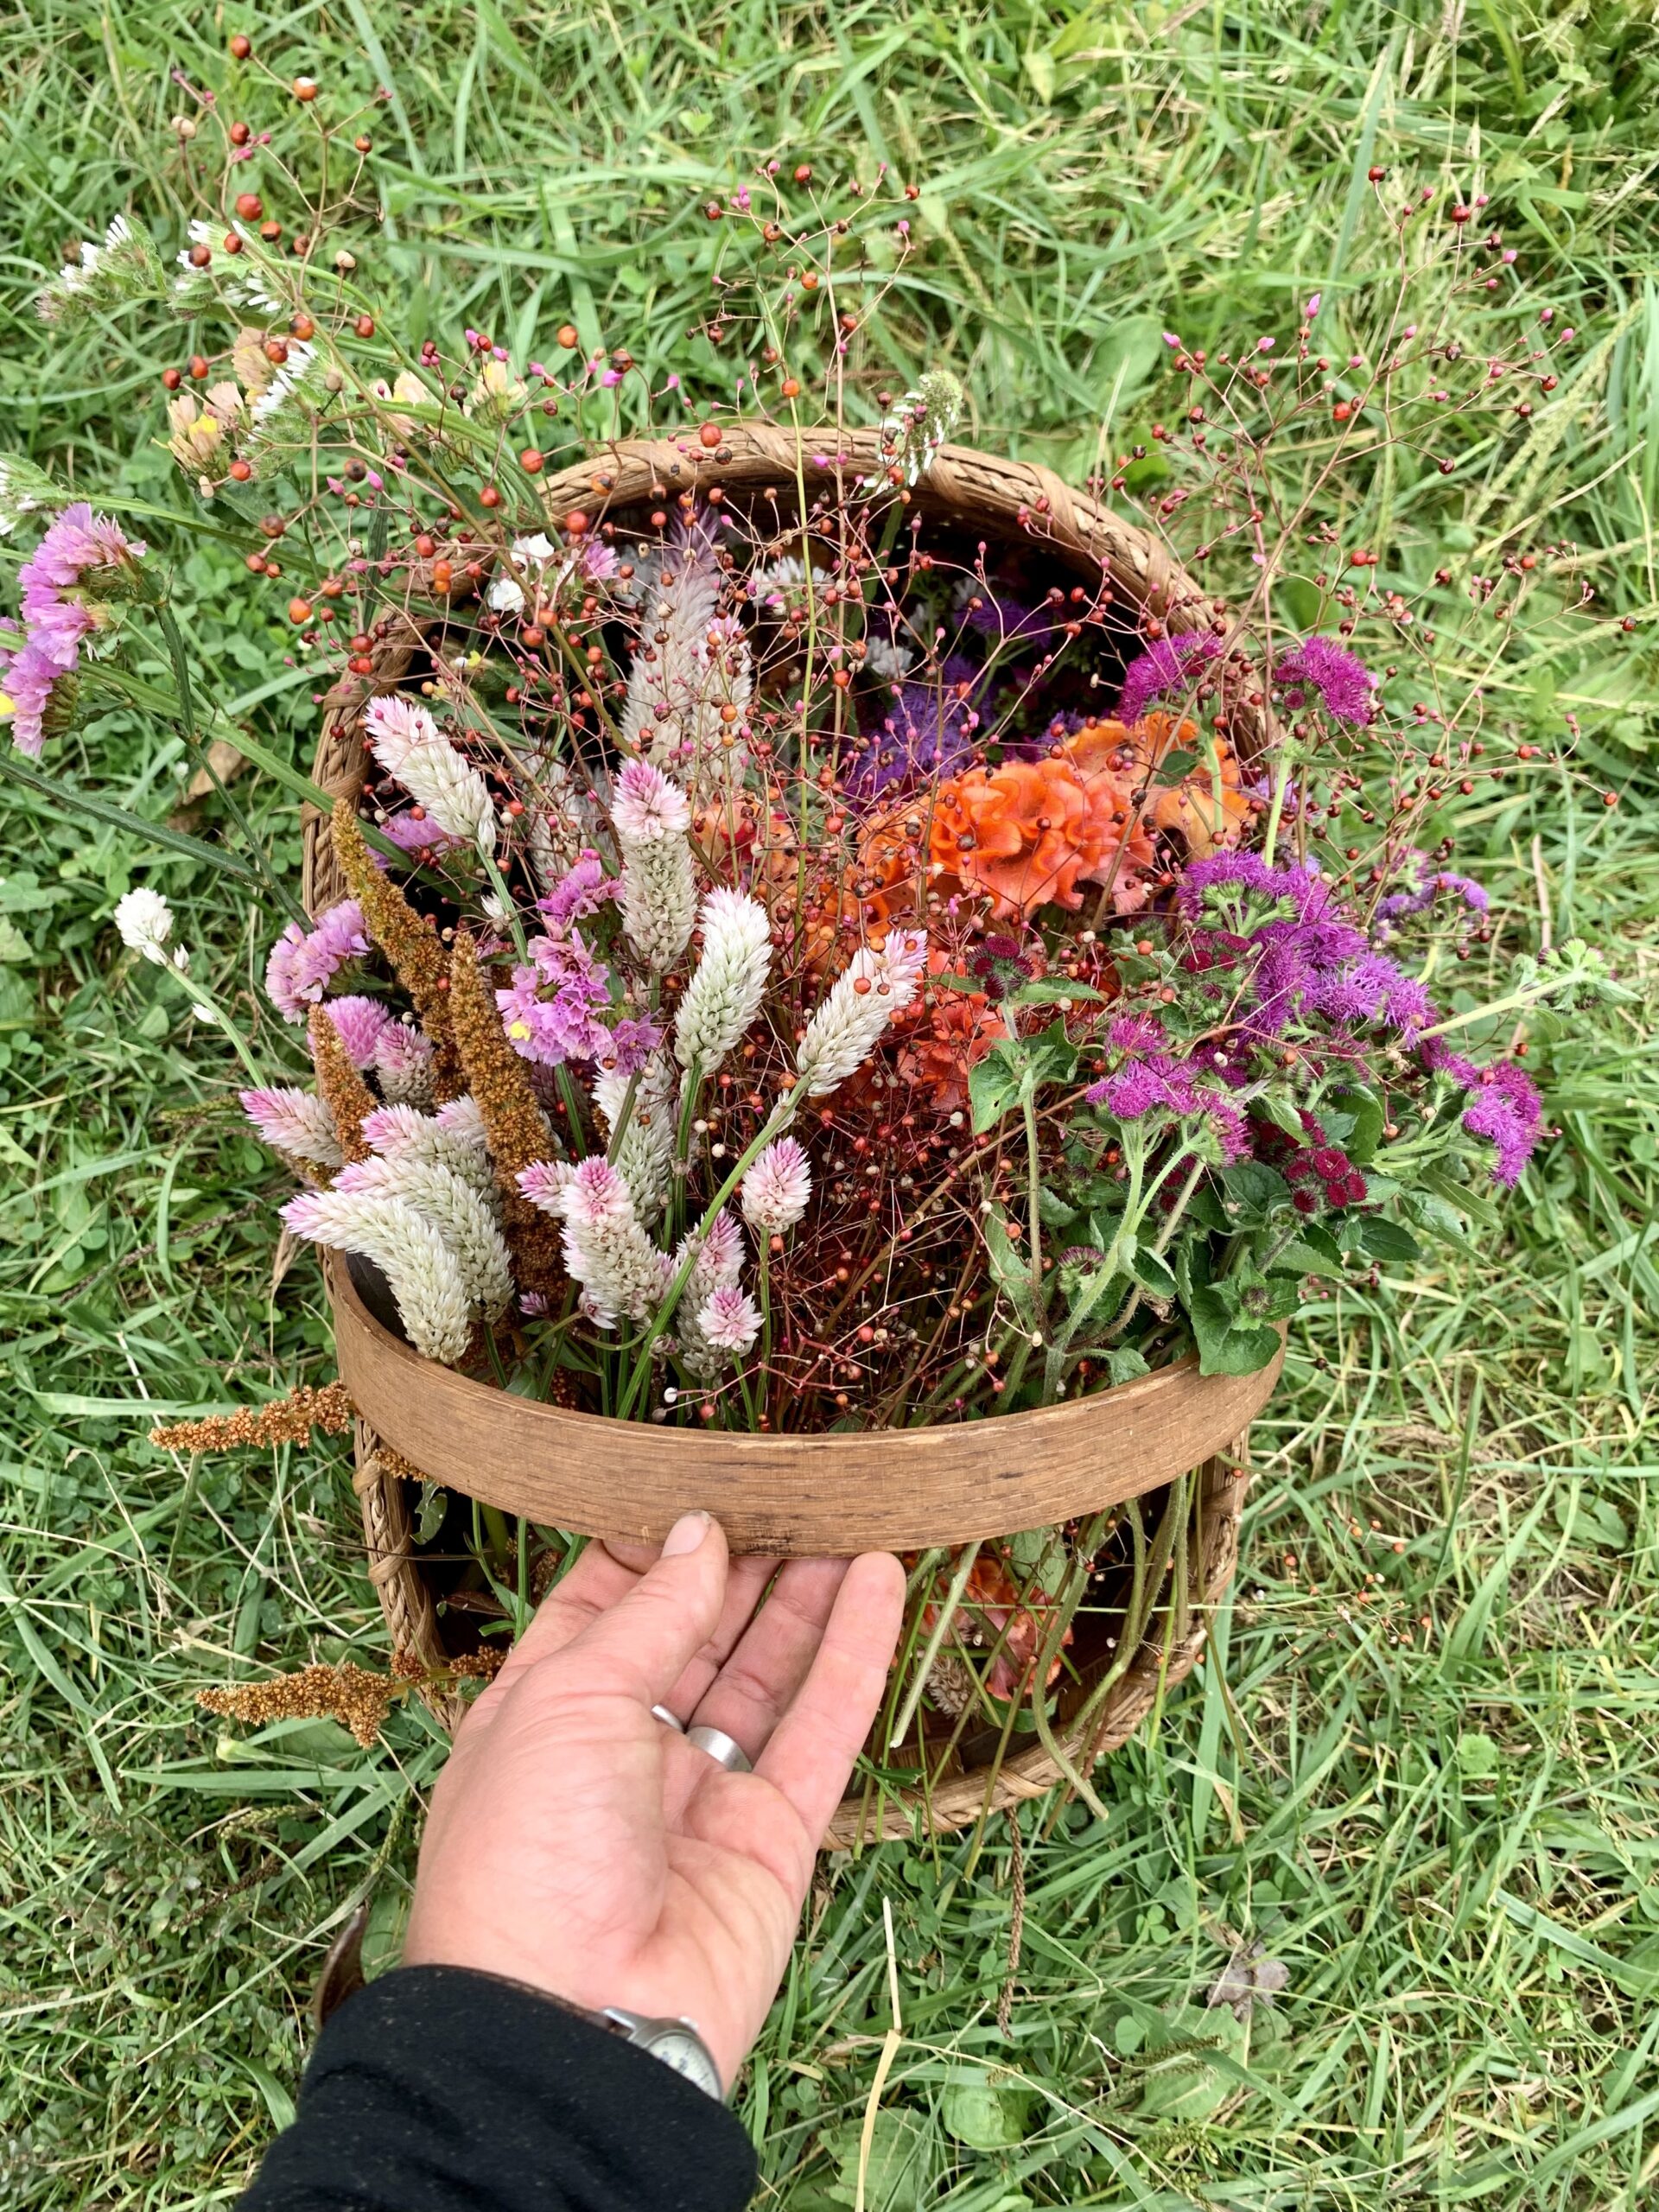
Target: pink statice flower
x,y
81,562
27,676
581,890
302,962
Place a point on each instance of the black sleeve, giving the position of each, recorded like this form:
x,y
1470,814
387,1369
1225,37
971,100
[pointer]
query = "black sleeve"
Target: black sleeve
x,y
433,2089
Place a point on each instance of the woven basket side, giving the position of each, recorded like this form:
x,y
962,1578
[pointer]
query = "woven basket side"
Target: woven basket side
x,y
411,1620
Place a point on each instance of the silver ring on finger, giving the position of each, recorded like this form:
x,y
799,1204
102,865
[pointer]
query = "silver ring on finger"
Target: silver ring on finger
x,y
724,1750
669,1720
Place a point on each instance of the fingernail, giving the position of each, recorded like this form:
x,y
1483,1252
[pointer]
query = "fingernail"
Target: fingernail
x,y
686,1535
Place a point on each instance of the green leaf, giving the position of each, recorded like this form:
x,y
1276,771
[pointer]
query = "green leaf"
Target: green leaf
x,y
1174,766
1012,1274
63,795
1278,1110
984,2118
1153,1274
1387,1240
1369,1118
15,947
1256,1191
994,1085
1303,1257
1051,990
1125,1364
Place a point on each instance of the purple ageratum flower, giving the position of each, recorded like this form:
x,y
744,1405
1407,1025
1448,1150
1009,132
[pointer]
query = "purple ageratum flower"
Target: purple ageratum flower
x,y
581,890
1506,1109
927,731
1151,1080
1167,665
1424,885
302,963
1321,667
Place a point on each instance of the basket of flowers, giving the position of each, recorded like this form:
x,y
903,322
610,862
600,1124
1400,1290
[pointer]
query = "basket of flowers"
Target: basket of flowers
x,y
834,988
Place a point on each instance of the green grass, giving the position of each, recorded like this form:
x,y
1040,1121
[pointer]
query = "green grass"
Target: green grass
x,y
1447,1834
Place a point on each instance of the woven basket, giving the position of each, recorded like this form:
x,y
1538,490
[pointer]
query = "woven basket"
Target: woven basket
x,y
802,1494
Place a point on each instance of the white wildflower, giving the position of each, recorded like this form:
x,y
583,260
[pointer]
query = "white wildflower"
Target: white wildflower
x,y
22,489
645,1158
880,981
885,659
724,994
506,594
658,893
409,746
419,1262
776,1188
294,1123
122,268
921,423
145,922
454,1206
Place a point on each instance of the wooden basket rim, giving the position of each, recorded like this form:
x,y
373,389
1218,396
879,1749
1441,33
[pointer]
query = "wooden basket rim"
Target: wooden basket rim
x,y
873,1490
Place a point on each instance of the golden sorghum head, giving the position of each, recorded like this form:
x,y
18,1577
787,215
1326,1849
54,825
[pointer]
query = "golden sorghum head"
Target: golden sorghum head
x,y
346,1693
514,1124
283,1421
347,1098
408,940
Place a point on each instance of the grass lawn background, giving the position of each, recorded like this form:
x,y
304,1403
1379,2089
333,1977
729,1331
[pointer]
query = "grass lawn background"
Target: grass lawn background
x,y
1447,1835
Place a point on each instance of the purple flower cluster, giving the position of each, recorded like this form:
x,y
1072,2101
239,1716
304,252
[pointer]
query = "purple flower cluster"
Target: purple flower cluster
x,y
567,1025
1150,1079
60,607
1506,1110
1307,965
1319,668
416,833
581,890
302,962
927,731
1169,665
1423,887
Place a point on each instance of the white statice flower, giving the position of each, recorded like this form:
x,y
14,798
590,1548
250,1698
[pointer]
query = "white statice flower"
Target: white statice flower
x,y
729,1319
645,1158
241,280
22,489
296,1123
410,747
651,817
145,922
402,1131
887,659
123,267
606,1249
776,1188
453,1205
417,1260
880,981
778,580
497,394
506,594
403,1066
724,994
921,423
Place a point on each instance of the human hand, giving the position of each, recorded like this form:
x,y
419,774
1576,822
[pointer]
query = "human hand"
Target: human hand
x,y
577,1843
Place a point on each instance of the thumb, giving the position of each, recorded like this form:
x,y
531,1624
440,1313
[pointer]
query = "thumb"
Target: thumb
x,y
647,1639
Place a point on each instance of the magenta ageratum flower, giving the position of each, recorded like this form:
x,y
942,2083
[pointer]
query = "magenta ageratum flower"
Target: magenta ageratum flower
x,y
1170,665
1320,668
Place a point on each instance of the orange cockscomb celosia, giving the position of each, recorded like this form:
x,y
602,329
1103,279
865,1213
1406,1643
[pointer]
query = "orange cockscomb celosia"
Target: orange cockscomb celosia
x,y
1032,831
1190,805
944,1036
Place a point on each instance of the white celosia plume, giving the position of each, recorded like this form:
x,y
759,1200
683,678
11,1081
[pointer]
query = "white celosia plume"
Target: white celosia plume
x,y
605,1250
403,1132
728,1319
419,1262
881,981
719,1265
645,1158
455,1207
403,1066
724,994
296,1123
409,746
658,895
776,1189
